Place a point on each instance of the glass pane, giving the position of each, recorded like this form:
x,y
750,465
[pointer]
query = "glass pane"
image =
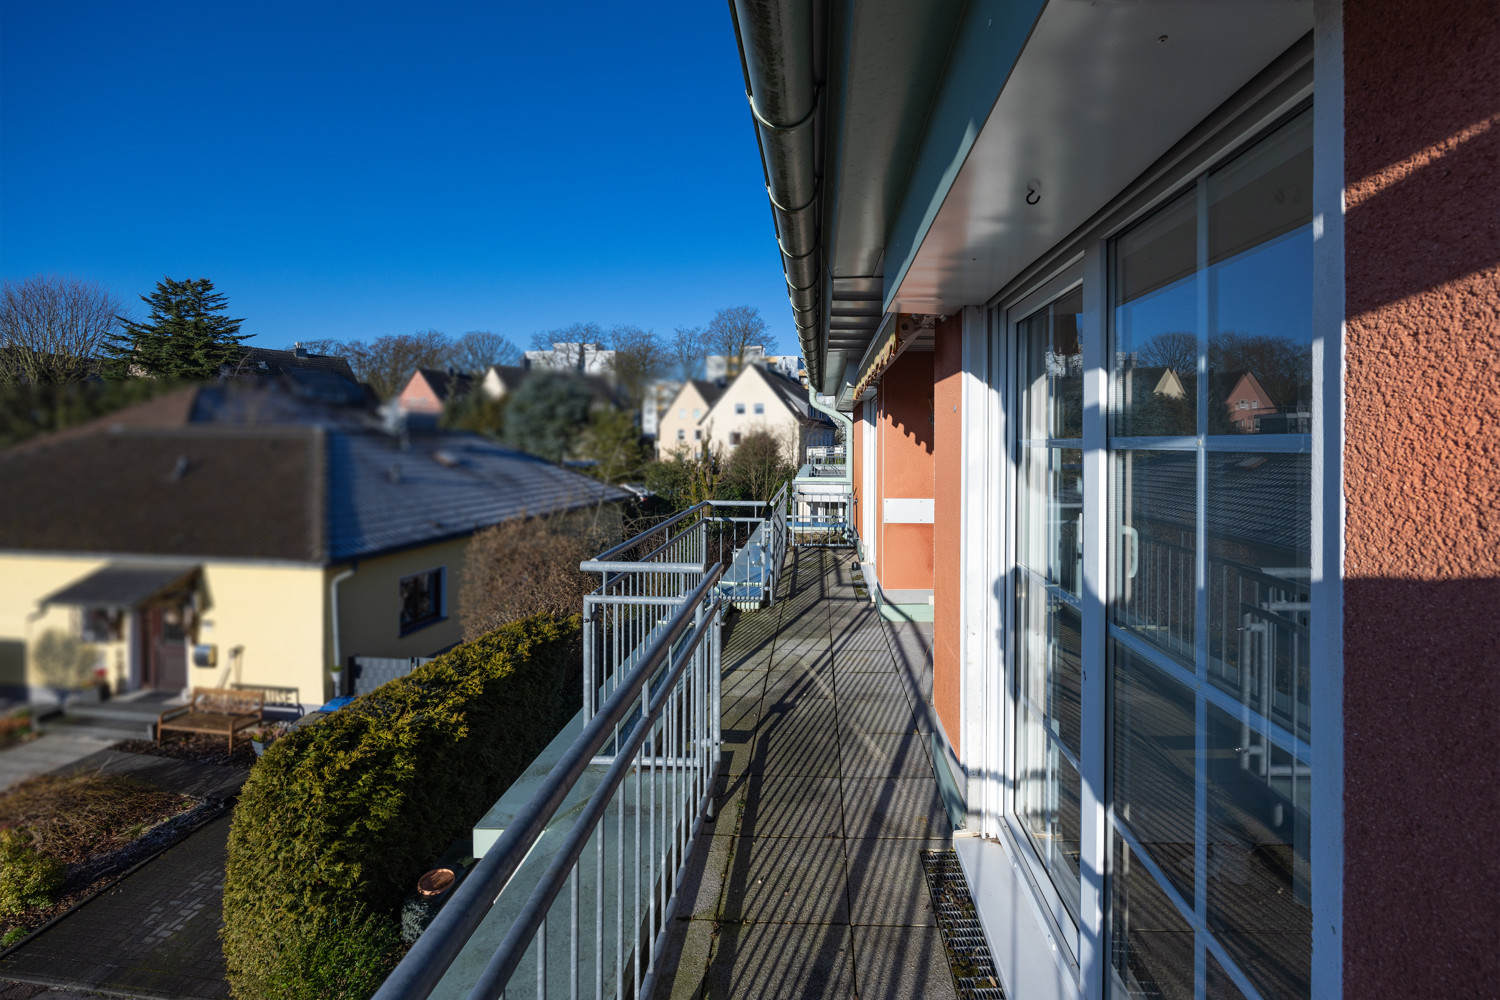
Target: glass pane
x,y
1152,943
1258,898
1154,374
1218,985
1154,508
1050,540
1260,240
1258,544
1051,663
1047,803
1153,764
1053,365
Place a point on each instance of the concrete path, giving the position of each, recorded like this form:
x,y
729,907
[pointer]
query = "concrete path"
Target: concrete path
x,y
811,883
155,934
204,781
48,752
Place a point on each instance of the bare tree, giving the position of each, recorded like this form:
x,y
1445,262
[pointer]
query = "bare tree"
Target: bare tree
x,y
567,344
476,350
640,357
52,328
689,345
734,329
388,362
1176,350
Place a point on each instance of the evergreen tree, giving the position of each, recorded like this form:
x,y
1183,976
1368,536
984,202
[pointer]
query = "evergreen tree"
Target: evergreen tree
x,y
187,336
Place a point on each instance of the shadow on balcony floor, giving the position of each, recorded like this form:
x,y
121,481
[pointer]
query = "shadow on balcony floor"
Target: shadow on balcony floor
x,y
812,882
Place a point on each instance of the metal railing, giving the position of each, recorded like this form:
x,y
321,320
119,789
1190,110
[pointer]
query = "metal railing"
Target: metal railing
x,y
617,815
644,579
822,518
828,460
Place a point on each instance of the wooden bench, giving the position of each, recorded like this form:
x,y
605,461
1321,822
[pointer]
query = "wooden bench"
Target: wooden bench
x,y
214,710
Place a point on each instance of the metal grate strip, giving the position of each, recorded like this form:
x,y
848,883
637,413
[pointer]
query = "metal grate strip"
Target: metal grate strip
x,y
958,922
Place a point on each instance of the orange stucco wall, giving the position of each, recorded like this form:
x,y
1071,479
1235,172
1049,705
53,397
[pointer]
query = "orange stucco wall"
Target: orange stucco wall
x,y
857,463
904,560
1421,468
947,543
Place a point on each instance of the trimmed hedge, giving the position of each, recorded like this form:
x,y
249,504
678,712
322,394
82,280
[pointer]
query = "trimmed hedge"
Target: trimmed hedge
x,y
339,818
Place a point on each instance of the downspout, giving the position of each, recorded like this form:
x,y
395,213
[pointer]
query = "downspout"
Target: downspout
x,y
333,601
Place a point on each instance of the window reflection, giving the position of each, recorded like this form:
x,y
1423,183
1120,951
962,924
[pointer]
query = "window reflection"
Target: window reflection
x,y
1153,944
1258,540
1258,898
1210,569
1154,503
1154,758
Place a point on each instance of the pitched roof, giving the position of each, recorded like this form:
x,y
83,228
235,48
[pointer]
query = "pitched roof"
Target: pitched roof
x,y
446,383
268,361
303,493
709,389
510,376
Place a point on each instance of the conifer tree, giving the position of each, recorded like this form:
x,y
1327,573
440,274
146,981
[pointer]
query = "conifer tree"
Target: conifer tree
x,y
186,337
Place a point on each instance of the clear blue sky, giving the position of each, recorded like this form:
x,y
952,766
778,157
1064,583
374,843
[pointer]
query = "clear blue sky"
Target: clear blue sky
x,y
350,170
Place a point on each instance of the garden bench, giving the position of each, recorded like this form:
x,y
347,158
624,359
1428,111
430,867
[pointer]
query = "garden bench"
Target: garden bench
x,y
214,710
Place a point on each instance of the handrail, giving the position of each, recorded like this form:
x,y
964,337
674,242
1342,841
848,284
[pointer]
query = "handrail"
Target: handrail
x,y
428,961
503,962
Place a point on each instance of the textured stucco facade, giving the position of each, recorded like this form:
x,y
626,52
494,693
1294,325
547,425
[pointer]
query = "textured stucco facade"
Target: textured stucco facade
x,y
947,535
1422,488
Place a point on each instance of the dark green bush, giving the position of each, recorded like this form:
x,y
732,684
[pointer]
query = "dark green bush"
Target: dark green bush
x,y
339,818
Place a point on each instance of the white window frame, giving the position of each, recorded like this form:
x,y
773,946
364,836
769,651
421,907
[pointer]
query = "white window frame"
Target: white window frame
x,y
988,524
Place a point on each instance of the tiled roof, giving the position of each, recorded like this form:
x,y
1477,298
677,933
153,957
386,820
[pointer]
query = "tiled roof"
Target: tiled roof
x,y
267,361
709,389
382,497
446,384
303,493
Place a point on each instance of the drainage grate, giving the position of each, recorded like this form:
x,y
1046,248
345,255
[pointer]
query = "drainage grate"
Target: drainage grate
x,y
963,940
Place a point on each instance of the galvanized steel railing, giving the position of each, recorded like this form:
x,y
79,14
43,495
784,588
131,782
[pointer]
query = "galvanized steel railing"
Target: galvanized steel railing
x,y
822,518
594,921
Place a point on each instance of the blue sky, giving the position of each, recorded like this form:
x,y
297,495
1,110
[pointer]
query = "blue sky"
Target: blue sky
x,y
350,170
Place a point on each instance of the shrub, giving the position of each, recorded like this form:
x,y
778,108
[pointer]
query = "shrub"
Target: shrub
x,y
529,566
338,819
27,879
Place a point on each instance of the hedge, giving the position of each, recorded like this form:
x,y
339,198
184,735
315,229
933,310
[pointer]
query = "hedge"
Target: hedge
x,y
338,819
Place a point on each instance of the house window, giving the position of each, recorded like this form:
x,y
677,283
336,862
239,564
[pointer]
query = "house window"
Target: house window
x,y
697,412
681,434
1162,567
423,600
1210,615
682,414
760,409
734,438
739,409
697,435
102,625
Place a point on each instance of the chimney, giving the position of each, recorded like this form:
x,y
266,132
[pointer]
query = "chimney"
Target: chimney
x,y
298,350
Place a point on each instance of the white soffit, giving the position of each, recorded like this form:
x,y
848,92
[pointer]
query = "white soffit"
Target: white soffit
x,y
1094,100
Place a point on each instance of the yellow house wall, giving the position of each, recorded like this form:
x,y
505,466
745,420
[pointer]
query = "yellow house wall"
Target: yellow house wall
x,y
370,602
751,388
274,613
689,399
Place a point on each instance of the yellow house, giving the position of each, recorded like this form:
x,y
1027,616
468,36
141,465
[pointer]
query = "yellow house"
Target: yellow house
x,y
680,427
212,555
762,399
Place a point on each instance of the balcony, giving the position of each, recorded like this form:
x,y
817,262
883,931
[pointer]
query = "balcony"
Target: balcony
x,y
771,847
811,883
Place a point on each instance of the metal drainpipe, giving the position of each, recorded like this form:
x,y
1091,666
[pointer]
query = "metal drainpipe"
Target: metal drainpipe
x,y
333,600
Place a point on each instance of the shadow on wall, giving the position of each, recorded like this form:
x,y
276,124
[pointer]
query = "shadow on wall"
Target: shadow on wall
x,y
1421,713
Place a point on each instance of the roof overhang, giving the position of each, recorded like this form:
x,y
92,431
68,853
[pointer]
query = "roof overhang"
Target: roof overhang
x,y
958,143
124,585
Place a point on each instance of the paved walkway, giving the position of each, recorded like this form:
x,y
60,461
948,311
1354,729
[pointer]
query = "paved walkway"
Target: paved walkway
x,y
48,752
811,884
154,934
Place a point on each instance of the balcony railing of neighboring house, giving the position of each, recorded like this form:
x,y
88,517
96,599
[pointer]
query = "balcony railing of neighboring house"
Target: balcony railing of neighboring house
x,y
611,823
826,461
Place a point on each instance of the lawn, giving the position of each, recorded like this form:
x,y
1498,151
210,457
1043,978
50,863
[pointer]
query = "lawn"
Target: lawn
x,y
70,828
